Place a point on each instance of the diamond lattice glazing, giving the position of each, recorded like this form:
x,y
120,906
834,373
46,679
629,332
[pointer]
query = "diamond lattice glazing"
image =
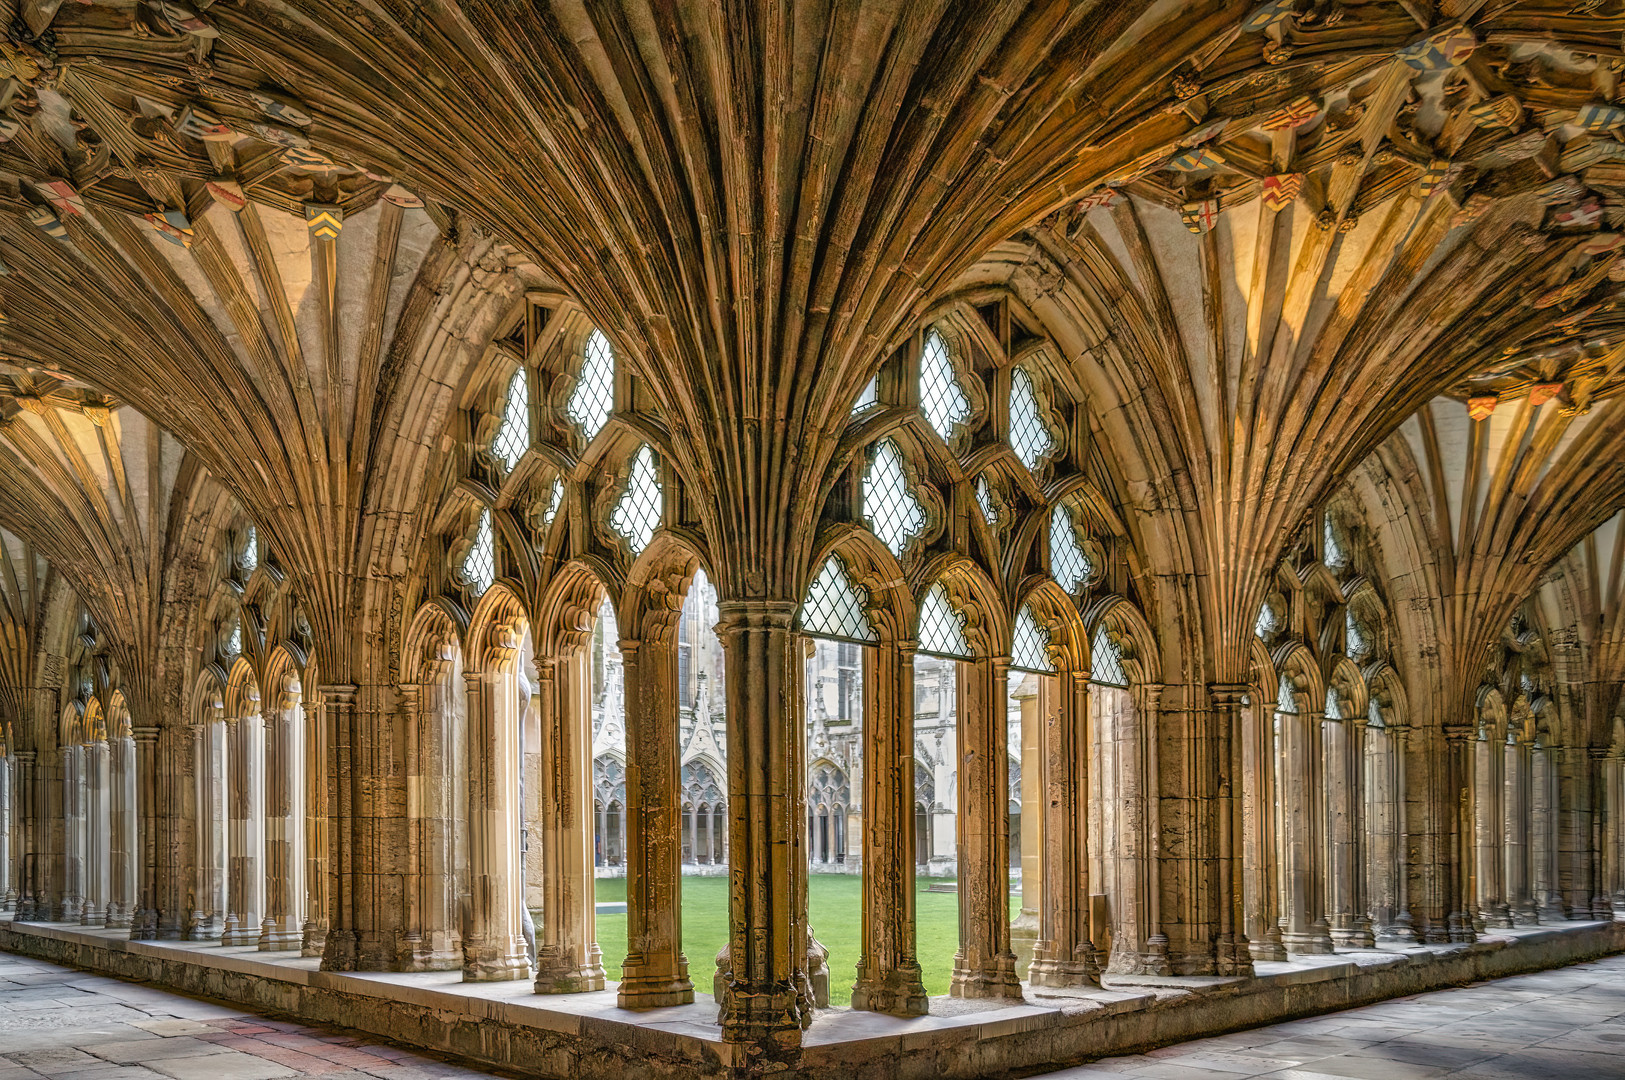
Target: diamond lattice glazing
x,y
894,514
1106,660
1029,436
942,629
1029,645
513,437
480,564
1068,562
944,403
637,513
834,607
594,396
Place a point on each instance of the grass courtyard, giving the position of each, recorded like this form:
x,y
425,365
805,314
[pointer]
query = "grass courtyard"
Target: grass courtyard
x,y
835,904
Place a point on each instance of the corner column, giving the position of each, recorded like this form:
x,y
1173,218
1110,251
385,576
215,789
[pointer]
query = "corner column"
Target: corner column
x,y
767,997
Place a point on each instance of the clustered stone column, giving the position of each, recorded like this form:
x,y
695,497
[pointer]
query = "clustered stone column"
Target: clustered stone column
x,y
8,879
655,971
97,835
567,955
282,929
245,873
1385,821
1345,771
1055,783
889,978
1301,775
984,966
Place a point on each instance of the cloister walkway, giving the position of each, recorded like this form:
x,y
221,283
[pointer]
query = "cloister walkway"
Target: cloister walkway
x,y
1549,1025
63,1024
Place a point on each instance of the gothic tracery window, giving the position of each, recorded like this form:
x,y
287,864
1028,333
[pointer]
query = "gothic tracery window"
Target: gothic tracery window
x,y
594,395
835,605
894,514
1029,436
942,629
513,437
945,405
249,558
1069,563
480,564
637,513
1106,660
984,499
555,498
1029,645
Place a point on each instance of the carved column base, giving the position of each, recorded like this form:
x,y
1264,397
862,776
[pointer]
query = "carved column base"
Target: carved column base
x,y
558,975
1400,930
1312,943
1269,947
996,979
497,963
773,1020
1232,955
1459,925
118,917
92,915
900,992
1497,917
639,991
280,935
339,950
1355,937
1084,971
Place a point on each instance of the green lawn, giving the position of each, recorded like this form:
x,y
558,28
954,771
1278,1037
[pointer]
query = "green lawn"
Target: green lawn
x,y
835,905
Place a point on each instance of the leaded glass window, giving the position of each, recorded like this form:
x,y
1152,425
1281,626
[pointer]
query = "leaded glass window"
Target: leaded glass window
x,y
1267,621
894,514
1029,645
637,514
1334,708
984,499
1068,562
553,501
1356,641
1106,660
1029,436
1336,554
513,437
1286,700
942,629
944,403
869,398
594,396
234,636
480,564
251,550
834,606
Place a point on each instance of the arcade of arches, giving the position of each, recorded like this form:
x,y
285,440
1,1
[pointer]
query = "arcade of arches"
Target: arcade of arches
x,y
1154,471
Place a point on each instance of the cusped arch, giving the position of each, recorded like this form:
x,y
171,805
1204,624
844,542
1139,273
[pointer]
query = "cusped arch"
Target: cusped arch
x,y
208,695
1131,632
118,717
871,567
657,583
432,643
284,682
568,609
1300,674
242,690
71,725
1345,681
1490,713
497,629
1058,617
1387,705
972,595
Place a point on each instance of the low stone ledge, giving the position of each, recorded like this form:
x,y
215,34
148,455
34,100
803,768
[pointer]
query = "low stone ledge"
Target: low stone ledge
x,y
587,1036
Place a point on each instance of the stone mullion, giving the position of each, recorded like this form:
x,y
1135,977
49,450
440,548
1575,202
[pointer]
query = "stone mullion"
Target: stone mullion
x,y
494,947
318,772
1614,771
984,966
1259,839
98,833
165,760
1489,793
1067,713
1519,896
121,901
655,972
889,978
1457,791
22,780
1343,761
1601,906
567,955
282,930
767,996
1302,796
8,877
340,940
71,785
1231,954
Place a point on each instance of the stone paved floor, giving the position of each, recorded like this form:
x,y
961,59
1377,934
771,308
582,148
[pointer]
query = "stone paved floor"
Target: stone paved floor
x,y
1555,1025
70,1025
1567,1024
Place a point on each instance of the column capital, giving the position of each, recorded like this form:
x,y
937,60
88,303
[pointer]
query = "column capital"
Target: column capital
x,y
1228,694
754,614
1459,733
338,693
